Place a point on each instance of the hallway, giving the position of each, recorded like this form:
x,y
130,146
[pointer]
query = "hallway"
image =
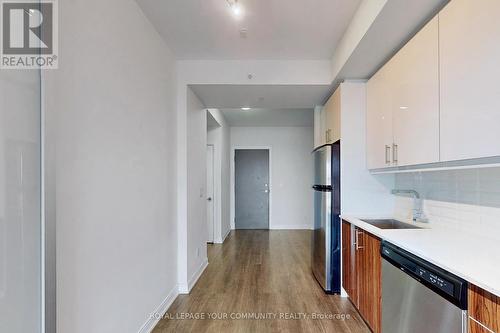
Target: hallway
x,y
265,273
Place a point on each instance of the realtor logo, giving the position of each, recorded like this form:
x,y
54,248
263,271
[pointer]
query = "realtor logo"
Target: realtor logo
x,y
29,34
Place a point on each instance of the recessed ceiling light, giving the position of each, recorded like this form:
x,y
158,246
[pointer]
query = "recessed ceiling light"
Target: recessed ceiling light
x,y
235,7
403,107
246,108
236,10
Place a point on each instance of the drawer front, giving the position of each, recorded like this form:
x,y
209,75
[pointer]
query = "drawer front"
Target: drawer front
x,y
484,308
475,327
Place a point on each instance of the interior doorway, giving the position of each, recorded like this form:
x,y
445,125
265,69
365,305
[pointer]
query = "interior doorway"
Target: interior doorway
x,y
210,194
251,188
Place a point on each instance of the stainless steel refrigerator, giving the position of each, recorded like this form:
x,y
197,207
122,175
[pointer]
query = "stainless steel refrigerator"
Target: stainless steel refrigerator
x,y
326,235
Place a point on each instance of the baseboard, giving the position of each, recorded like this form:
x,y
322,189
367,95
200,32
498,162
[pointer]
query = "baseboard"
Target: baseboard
x,y
291,227
183,288
186,289
225,236
223,239
160,311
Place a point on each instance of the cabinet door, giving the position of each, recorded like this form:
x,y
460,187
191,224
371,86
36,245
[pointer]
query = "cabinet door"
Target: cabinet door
x,y
484,308
415,102
333,117
354,266
346,257
475,327
318,130
379,138
323,127
369,277
349,277
469,71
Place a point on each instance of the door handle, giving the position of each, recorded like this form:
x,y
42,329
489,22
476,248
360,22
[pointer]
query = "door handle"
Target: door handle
x,y
387,154
395,153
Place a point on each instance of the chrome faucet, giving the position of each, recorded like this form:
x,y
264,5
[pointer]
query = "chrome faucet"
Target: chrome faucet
x,y
418,212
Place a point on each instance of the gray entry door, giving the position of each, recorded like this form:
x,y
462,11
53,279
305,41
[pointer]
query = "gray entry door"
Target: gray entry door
x,y
251,187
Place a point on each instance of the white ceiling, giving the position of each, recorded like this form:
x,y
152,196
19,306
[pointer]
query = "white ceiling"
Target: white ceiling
x,y
269,117
277,29
223,96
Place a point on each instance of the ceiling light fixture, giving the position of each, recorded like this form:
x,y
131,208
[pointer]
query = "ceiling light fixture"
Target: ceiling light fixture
x,y
246,108
235,7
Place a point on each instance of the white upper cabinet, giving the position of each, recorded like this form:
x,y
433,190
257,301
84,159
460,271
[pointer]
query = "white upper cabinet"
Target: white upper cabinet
x,y
332,109
379,138
318,126
403,105
415,102
469,71
327,126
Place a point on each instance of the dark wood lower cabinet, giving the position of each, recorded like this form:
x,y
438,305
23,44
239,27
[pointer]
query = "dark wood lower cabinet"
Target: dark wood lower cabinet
x,y
349,278
362,268
362,280
484,308
369,276
474,327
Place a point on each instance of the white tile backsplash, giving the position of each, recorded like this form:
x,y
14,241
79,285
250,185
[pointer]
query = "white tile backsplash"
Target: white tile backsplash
x,y
462,200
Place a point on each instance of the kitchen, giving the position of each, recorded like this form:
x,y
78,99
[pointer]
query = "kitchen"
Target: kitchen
x,y
429,265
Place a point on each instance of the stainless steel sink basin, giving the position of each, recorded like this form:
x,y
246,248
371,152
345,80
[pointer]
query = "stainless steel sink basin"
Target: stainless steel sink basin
x,y
390,224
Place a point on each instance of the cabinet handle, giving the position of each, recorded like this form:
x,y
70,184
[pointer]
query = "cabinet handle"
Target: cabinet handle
x,y
326,137
387,154
357,239
395,153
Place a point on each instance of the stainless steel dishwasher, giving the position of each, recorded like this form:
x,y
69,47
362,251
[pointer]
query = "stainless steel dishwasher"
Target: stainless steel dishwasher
x,y
418,296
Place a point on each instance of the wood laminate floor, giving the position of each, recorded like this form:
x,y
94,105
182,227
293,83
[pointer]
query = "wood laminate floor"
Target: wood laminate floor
x,y
260,273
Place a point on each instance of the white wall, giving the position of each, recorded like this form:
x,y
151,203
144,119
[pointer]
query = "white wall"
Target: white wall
x,y
300,72
220,138
291,174
361,192
114,97
196,191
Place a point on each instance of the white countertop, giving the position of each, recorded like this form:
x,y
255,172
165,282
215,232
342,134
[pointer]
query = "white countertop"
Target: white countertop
x,y
469,257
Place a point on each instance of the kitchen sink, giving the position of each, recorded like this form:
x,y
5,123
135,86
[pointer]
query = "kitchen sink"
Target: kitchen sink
x,y
390,224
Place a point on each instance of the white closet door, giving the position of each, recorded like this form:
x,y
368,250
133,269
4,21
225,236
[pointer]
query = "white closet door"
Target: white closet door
x,y
20,202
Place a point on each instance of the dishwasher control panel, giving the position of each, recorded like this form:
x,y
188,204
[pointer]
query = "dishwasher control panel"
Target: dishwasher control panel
x,y
436,280
444,283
